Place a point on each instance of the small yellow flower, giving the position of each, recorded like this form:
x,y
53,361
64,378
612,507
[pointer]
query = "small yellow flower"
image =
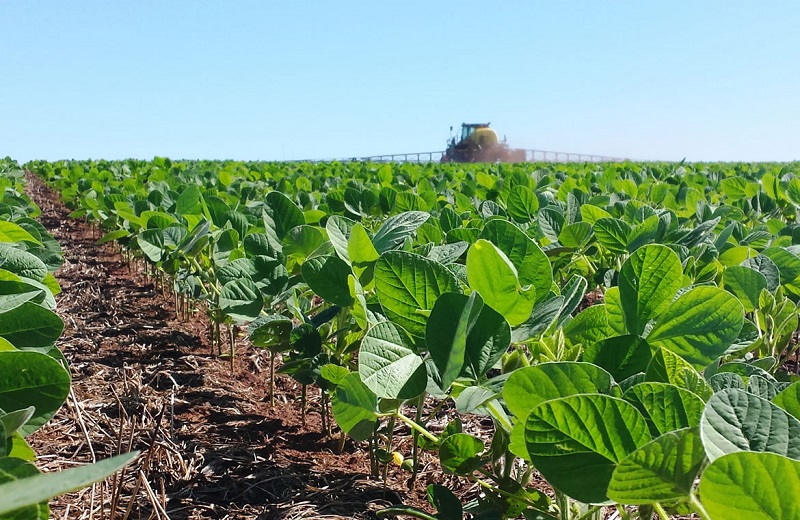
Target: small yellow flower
x,y
397,457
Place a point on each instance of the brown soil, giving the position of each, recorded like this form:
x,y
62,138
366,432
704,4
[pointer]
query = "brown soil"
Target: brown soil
x,y
212,446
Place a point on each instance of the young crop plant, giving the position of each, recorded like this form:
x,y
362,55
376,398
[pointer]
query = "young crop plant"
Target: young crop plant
x,y
34,379
627,329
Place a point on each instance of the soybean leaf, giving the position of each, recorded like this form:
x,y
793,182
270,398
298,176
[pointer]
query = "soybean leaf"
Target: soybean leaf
x,y
465,337
333,373
616,317
612,233
282,214
258,244
666,407
589,326
765,266
13,232
338,228
724,380
788,265
494,277
30,325
238,268
13,421
271,332
789,399
756,486
699,325
397,228
530,386
522,204
302,242
575,235
762,387
12,469
551,220
591,213
448,253
225,244
387,366
573,293
459,454
576,442
32,379
452,319
648,281
22,263
195,240
533,267
354,405
543,315
643,233
744,341
24,487
744,283
668,367
746,370
472,398
407,283
362,254
327,277
660,471
241,300
621,356
735,420
445,502
188,202
21,449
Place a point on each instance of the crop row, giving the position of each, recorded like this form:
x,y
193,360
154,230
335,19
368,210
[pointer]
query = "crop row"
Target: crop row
x,y
625,327
34,379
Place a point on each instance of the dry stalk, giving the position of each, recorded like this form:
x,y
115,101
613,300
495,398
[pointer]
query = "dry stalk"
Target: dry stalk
x,y
85,431
160,509
119,477
146,464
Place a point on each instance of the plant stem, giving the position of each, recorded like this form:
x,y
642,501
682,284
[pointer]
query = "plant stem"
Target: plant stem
x,y
562,502
698,507
508,465
436,410
373,451
323,411
218,337
592,510
389,439
405,510
416,427
758,323
272,378
415,437
303,404
495,489
499,415
232,336
660,510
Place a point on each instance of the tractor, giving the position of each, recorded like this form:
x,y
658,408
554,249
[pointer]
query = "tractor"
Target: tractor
x,y
479,143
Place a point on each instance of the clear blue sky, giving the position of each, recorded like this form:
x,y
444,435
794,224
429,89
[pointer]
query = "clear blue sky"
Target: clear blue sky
x,y
705,80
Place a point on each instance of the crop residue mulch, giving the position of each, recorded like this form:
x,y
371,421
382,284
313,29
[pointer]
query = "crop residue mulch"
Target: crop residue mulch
x,y
212,446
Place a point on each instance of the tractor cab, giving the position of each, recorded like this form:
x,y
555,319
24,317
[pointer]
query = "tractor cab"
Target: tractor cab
x,y
467,129
472,135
